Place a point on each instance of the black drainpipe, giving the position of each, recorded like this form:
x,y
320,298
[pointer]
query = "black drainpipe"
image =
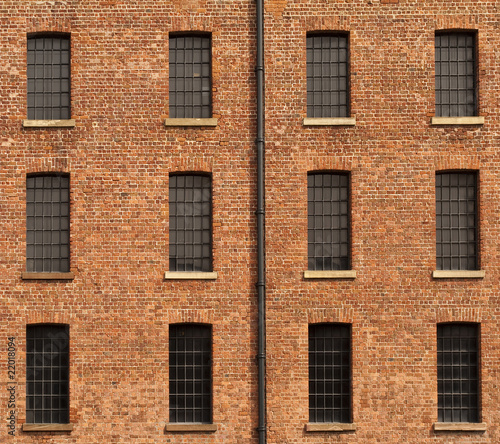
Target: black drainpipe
x,y
260,213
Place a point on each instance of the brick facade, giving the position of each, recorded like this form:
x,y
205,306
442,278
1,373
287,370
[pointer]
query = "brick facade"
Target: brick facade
x,y
120,155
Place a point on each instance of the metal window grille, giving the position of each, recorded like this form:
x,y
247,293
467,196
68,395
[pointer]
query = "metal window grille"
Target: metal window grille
x,y
328,221
456,221
47,374
330,373
49,77
47,223
458,373
190,373
190,83
327,75
190,223
456,93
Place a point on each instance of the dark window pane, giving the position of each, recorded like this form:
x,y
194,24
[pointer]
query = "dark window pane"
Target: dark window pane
x,y
190,76
48,75
327,70
330,373
455,57
47,223
456,221
328,221
190,223
190,373
47,374
458,383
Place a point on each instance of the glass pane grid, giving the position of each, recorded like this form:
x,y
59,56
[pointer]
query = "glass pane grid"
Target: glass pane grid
x,y
456,221
47,223
190,223
48,73
327,76
328,221
190,368
47,375
455,56
329,373
190,83
458,373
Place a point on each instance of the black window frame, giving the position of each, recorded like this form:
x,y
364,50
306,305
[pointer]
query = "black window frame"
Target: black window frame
x,y
329,231
188,79
456,73
190,373
330,373
457,226
48,233
458,372
328,77
190,248
48,76
47,374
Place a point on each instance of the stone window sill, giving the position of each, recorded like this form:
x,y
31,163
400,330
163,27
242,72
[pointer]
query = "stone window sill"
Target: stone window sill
x,y
459,427
191,122
458,274
330,427
47,427
471,120
330,274
329,121
45,276
69,123
190,427
204,275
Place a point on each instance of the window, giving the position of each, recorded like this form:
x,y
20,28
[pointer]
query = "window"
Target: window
x,y
456,84
49,77
327,75
456,221
190,76
330,373
47,223
190,373
328,221
190,223
458,372
47,374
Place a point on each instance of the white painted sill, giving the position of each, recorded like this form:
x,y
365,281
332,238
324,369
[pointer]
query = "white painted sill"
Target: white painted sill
x,y
191,122
45,276
190,427
70,123
203,275
458,274
471,120
330,274
47,427
329,121
330,427
459,426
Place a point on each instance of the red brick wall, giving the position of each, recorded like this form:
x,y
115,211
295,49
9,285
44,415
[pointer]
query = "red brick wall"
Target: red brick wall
x,y
393,154
119,156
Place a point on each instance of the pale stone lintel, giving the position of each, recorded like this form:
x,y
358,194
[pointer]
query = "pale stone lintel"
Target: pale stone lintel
x,y
69,123
458,274
191,122
190,275
459,426
47,427
329,121
45,276
330,274
189,427
330,427
470,120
